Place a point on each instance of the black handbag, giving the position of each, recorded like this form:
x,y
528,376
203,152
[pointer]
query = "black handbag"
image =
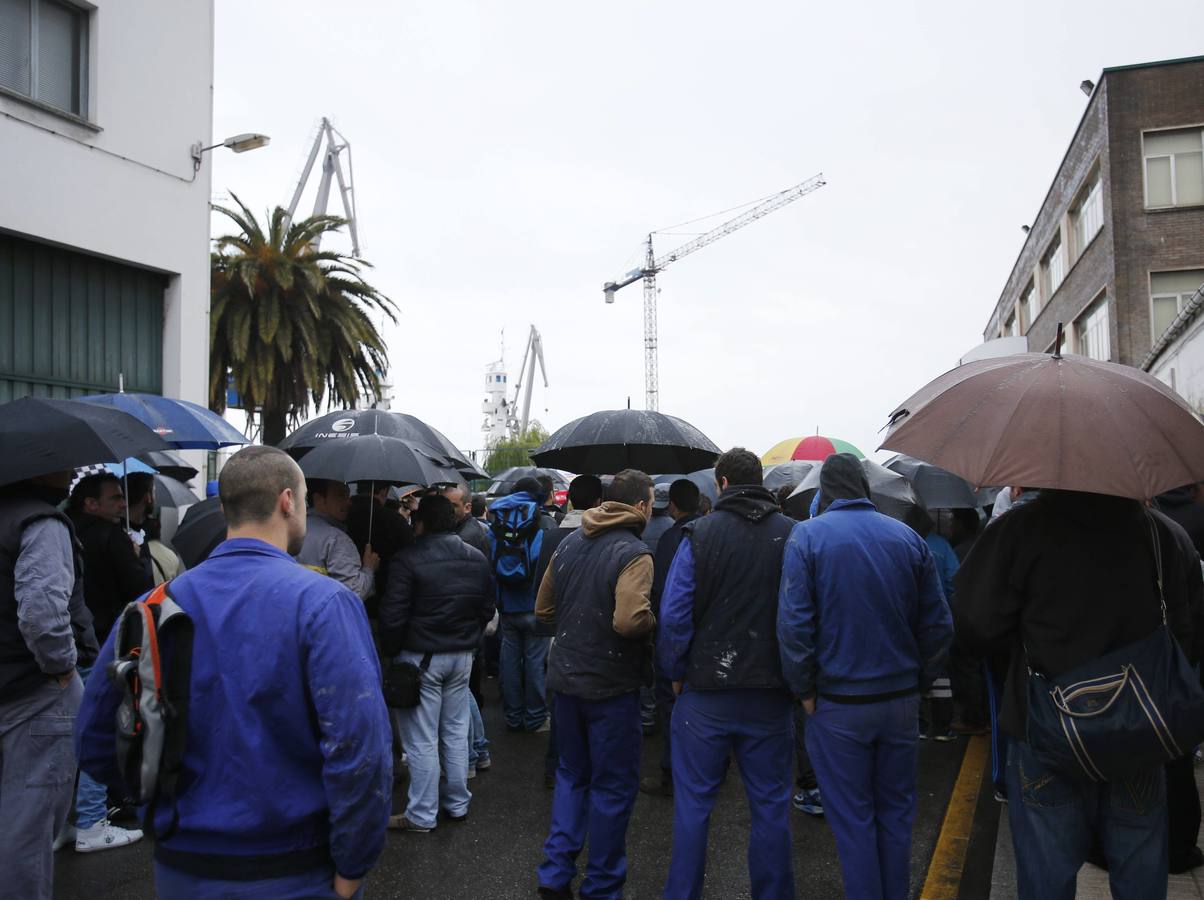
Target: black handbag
x,y
1139,706
403,683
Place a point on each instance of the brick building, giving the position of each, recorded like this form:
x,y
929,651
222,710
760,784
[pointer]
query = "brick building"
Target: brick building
x,y
1116,252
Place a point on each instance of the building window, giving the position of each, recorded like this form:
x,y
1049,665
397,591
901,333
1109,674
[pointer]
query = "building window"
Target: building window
x,y
1087,215
1030,304
42,51
1174,167
1091,332
1053,267
1009,325
1169,293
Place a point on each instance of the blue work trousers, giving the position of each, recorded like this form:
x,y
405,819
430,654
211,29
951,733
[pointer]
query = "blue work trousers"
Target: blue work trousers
x,y
1055,820
317,884
708,726
865,757
597,782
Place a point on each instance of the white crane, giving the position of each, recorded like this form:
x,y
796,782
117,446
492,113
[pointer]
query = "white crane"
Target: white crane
x,y
526,374
653,265
332,169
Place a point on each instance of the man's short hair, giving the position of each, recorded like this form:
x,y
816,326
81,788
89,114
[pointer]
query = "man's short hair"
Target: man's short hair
x,y
738,466
630,486
89,488
479,505
252,481
138,486
465,493
684,494
585,492
436,514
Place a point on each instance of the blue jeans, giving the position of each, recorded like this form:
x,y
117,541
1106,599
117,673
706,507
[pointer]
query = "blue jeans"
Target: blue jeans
x,y
865,757
524,656
596,787
708,726
91,797
437,727
317,884
1055,820
478,743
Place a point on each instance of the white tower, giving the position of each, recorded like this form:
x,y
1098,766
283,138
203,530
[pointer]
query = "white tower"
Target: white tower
x,y
495,405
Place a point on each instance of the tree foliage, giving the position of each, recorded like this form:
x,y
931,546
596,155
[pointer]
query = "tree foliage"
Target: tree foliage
x,y
292,326
510,452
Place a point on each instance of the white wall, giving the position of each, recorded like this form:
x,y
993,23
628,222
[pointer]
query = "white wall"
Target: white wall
x,y
1181,365
150,93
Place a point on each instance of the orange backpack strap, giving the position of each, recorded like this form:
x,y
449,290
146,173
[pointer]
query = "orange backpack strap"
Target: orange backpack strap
x,y
156,597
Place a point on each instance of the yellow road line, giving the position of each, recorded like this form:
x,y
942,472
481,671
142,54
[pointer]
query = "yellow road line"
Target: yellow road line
x,y
949,857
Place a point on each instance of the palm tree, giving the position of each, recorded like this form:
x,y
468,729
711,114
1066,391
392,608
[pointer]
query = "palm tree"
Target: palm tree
x,y
290,326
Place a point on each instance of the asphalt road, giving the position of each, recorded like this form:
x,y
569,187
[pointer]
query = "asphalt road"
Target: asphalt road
x,y
493,855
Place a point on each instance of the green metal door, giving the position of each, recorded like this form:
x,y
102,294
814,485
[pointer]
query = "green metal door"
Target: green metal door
x,y
70,324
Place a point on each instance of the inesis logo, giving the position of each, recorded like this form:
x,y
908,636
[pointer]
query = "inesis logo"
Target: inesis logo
x,y
338,428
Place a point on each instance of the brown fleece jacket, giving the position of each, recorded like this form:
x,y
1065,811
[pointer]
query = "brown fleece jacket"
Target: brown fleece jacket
x,y
633,608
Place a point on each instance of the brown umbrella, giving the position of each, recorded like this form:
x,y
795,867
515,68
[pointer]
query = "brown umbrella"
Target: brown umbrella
x,y
1042,421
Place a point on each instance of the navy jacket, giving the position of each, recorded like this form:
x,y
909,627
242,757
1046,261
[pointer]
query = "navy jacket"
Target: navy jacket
x,y
439,598
861,612
289,756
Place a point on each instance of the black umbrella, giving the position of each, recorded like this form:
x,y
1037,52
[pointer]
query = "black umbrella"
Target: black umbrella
x,y
788,474
890,492
39,436
201,530
704,479
169,462
375,457
503,483
937,488
608,442
173,494
346,423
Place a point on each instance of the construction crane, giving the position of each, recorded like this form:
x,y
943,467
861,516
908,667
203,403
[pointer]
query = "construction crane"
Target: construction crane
x,y
654,265
332,169
526,374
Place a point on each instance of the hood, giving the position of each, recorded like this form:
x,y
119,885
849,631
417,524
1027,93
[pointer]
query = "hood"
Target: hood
x,y
749,501
510,501
842,478
1093,512
572,519
1180,496
612,515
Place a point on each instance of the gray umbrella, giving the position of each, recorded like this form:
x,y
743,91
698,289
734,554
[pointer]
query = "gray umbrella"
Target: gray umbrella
x,y
937,488
605,443
889,491
788,473
173,494
704,479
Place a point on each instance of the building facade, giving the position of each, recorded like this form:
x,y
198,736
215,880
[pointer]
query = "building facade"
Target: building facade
x,y
104,215
1117,249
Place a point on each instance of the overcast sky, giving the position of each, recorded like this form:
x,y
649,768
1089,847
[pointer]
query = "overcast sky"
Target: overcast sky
x,y
510,157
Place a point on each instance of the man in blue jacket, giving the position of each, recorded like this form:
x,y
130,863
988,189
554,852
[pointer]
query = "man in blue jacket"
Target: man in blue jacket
x,y
718,647
863,627
524,652
287,768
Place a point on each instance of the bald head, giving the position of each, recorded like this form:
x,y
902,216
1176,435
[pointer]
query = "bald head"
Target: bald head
x,y
252,481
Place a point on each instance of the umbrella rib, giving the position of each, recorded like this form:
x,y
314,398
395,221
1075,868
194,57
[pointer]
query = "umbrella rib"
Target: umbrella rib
x,y
1151,421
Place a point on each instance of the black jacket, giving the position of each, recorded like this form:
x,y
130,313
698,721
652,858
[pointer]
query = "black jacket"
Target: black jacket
x,y
1072,576
114,574
472,532
662,560
1180,505
439,597
738,553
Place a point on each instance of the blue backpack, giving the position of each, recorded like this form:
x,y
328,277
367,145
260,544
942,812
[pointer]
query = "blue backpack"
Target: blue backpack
x,y
517,538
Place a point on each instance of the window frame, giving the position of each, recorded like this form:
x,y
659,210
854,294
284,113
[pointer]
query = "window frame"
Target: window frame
x,y
1030,303
1181,297
83,19
1093,186
1056,249
1098,303
1145,167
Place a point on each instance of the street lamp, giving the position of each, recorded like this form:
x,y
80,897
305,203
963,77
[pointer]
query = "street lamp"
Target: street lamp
x,y
240,143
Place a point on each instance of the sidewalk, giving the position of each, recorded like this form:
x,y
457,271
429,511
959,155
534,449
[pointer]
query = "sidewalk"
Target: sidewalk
x,y
1093,882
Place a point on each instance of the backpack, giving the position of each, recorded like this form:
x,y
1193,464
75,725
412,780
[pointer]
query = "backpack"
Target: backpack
x,y
517,538
152,717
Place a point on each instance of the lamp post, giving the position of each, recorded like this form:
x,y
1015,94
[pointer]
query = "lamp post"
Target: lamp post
x,y
239,143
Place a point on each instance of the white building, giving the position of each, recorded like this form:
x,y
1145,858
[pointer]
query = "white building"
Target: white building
x,y
104,217
495,406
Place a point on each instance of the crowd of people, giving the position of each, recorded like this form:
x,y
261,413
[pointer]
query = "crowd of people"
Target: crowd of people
x,y
816,647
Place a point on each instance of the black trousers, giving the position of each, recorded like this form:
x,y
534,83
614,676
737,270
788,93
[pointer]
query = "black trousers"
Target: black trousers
x,y
1182,808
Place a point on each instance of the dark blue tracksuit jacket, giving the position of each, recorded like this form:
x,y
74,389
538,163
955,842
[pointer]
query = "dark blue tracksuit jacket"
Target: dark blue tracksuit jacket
x,y
289,746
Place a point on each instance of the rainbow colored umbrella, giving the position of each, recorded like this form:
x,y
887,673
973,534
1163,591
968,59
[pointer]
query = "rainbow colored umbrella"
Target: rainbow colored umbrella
x,y
815,447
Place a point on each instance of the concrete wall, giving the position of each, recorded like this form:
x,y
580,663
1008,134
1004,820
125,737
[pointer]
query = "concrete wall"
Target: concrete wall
x,y
1149,241
123,186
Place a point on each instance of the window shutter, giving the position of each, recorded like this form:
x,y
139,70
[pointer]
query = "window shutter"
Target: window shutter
x,y
14,45
58,56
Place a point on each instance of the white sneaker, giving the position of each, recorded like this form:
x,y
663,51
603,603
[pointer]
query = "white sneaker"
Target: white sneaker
x,y
103,836
472,771
65,837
